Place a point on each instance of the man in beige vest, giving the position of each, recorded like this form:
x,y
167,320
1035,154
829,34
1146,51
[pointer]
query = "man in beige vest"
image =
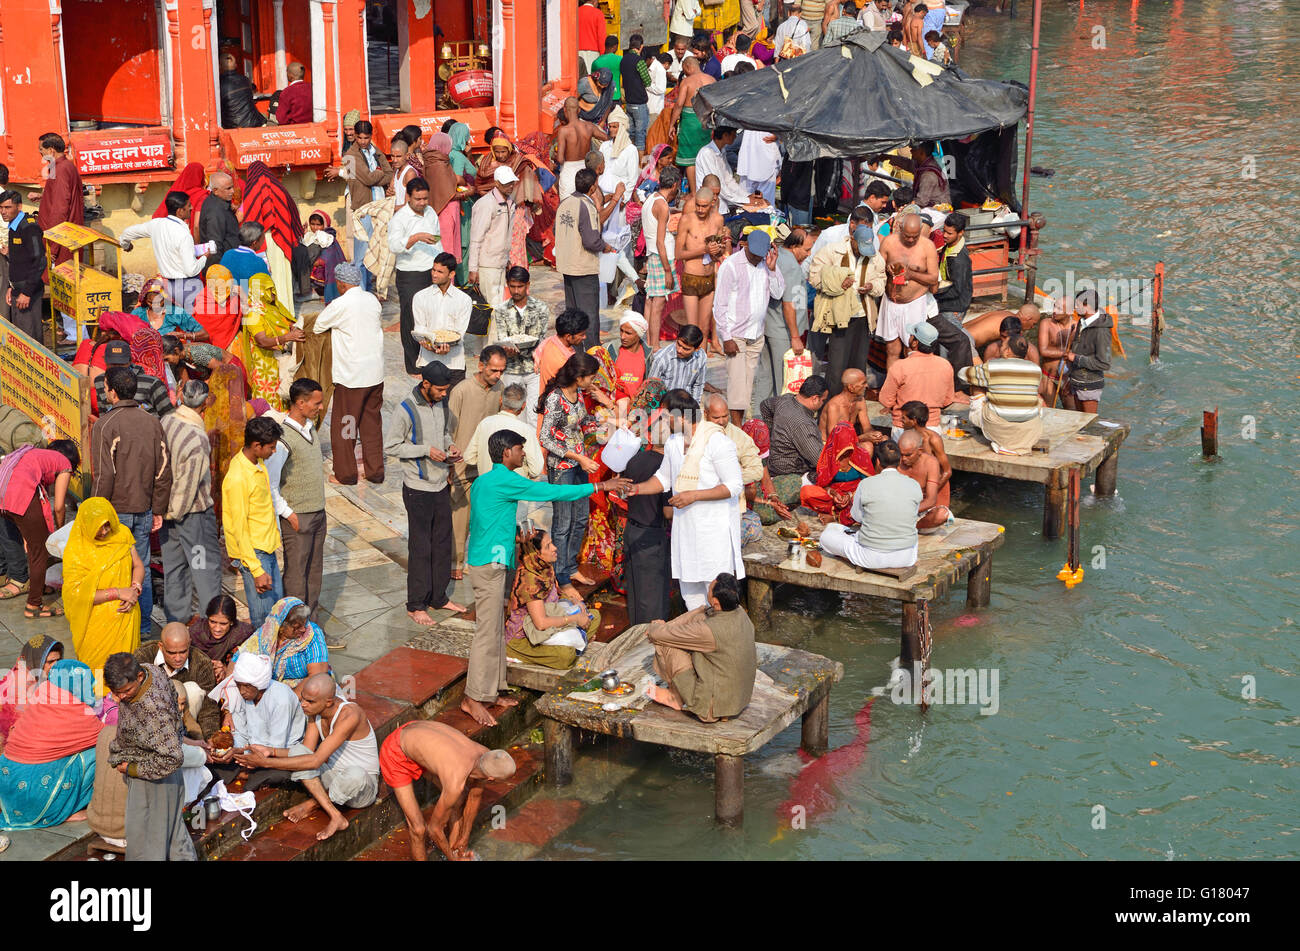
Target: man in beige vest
x,y
707,656
297,475
578,246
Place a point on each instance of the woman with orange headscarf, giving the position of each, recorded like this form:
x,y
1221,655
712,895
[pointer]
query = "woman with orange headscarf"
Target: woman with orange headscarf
x,y
841,466
218,308
102,580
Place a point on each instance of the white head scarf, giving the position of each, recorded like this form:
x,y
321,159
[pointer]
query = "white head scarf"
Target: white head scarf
x,y
623,139
253,669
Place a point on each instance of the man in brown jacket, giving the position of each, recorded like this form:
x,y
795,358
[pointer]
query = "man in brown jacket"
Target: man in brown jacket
x,y
133,471
707,656
368,174
148,752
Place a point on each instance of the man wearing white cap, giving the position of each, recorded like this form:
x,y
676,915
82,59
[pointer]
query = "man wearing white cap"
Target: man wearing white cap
x,y
268,715
489,237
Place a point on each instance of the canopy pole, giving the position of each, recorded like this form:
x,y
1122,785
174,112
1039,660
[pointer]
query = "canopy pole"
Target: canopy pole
x,y
1029,125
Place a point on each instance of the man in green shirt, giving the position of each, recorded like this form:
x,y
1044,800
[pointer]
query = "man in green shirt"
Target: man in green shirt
x,y
490,556
612,61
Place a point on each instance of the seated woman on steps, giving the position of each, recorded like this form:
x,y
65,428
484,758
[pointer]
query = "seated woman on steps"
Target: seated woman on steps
x,y
536,611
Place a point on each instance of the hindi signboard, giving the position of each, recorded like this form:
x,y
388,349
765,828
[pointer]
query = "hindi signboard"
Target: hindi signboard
x,y
34,380
103,153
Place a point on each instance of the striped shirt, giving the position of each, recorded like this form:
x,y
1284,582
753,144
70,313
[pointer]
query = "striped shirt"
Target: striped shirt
x,y
679,374
150,393
796,442
839,29
187,443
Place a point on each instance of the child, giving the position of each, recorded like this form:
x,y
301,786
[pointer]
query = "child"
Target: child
x,y
915,416
314,266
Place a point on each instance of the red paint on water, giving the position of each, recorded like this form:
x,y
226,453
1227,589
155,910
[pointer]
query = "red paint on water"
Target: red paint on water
x,y
813,787
967,620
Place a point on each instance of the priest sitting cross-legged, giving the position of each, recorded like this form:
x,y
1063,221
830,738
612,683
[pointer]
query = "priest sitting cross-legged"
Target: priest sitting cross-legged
x,y
337,760
264,715
706,656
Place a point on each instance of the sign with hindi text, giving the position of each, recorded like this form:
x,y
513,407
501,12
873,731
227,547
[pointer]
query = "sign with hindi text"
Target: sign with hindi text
x,y
131,150
34,380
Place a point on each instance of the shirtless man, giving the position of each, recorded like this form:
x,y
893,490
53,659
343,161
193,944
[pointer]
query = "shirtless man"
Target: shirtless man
x,y
913,29
850,406
912,274
697,237
573,143
1053,344
1009,328
688,135
915,417
332,724
987,327
458,765
924,468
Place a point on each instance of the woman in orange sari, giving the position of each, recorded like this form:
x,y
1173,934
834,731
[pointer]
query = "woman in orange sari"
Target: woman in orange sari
x,y
841,466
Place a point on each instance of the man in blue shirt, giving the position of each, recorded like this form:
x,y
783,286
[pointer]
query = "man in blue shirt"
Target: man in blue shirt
x,y
246,260
490,556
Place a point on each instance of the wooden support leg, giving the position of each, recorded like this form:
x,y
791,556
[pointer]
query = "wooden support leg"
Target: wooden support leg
x,y
979,583
1054,507
1106,475
558,738
759,602
817,727
729,790
909,650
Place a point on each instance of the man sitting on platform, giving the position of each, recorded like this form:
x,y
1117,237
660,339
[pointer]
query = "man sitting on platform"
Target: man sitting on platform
x,y
887,505
337,760
849,405
924,468
458,765
707,656
265,714
924,376
1005,405
796,442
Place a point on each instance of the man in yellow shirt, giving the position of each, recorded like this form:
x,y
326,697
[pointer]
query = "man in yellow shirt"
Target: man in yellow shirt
x,y
248,516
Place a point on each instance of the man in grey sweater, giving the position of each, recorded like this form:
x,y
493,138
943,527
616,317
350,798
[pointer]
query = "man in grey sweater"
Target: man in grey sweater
x,y
887,506
419,435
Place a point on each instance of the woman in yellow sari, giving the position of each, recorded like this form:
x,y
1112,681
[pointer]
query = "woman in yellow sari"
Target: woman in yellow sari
x,y
102,580
268,329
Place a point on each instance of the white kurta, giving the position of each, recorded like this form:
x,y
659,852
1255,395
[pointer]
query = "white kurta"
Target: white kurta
x,y
705,535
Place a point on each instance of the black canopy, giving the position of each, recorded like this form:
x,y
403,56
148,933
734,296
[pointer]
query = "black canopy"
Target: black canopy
x,y
857,97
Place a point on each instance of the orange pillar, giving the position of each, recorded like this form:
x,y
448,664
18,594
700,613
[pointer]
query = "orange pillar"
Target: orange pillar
x,y
193,92
31,73
213,145
419,71
521,66
352,57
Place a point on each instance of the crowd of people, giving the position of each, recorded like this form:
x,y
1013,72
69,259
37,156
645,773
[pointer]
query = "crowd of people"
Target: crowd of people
x,y
212,385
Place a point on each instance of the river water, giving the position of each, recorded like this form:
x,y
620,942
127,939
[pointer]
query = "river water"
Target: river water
x,y
1172,130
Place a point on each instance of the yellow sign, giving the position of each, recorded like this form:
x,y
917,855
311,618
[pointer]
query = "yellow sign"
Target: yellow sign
x,y
77,289
37,382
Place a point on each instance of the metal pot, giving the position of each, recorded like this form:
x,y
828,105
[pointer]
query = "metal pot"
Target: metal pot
x,y
609,679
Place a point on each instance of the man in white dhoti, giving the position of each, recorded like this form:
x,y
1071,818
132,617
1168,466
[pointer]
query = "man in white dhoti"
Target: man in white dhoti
x,y
887,506
701,470
759,161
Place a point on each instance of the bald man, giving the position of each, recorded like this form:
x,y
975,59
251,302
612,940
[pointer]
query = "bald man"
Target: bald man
x,y
184,663
337,761
295,105
217,220
911,276
751,461
919,465
573,143
849,405
699,250
458,765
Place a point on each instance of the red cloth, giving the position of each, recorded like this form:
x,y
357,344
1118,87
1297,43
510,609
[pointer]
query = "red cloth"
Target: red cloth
x,y
62,201
52,725
189,181
396,767
629,371
220,321
295,104
843,441
268,203
591,28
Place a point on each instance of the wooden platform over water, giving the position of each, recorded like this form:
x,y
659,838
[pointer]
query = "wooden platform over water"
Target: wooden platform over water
x,y
790,684
1074,441
963,549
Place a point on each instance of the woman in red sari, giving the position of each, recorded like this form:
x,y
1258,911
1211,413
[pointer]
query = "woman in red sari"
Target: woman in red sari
x,y
841,466
604,543
191,182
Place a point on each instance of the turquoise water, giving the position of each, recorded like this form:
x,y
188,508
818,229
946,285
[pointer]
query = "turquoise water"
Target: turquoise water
x,y
1145,660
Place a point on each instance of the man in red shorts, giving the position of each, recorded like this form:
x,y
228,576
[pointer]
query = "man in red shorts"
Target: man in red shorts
x,y
458,765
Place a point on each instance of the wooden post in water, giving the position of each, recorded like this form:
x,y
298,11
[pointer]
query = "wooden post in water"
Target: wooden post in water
x,y
558,738
1157,310
729,790
1053,506
1210,433
1072,543
816,727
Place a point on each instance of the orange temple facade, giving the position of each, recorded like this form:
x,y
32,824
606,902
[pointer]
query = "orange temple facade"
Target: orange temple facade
x,y
133,85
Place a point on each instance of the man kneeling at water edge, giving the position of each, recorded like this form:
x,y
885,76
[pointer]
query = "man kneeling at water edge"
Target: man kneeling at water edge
x,y
337,760
706,656
887,506
459,766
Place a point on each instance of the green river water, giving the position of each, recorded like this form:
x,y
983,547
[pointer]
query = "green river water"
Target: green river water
x,y
1146,661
